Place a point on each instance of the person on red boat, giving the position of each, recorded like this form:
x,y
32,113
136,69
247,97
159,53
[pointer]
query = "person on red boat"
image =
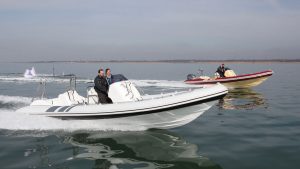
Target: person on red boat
x,y
221,70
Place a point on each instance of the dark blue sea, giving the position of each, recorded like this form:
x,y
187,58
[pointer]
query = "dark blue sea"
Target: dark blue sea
x,y
256,128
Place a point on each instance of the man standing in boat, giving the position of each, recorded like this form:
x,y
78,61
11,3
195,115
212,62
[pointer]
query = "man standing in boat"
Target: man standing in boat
x,y
101,87
221,70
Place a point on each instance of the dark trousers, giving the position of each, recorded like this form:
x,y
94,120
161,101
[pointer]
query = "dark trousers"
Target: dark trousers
x,y
103,99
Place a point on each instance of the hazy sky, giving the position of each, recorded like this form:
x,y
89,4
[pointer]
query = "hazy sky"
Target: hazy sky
x,y
149,29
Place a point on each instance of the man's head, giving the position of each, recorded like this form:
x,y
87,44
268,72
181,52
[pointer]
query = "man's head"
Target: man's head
x,y
107,72
222,65
101,72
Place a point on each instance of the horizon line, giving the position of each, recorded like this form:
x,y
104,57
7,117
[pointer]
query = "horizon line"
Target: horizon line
x,y
161,61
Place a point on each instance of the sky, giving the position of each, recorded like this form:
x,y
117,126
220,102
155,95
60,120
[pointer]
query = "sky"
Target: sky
x,y
35,30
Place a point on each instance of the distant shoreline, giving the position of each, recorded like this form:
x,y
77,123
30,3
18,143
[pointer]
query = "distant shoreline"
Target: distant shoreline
x,y
169,61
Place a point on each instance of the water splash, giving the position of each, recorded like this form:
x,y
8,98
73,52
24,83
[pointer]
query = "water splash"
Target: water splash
x,y
13,102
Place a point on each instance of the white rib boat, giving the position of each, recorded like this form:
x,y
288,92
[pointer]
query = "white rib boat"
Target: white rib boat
x,y
129,106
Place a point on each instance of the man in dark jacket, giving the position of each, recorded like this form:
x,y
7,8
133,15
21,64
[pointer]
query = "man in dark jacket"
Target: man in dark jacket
x,y
101,88
221,70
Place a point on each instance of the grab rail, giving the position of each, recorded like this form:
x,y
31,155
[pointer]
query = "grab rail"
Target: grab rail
x,y
88,88
41,90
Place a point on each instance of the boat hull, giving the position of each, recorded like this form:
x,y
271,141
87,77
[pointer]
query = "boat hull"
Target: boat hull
x,y
241,81
248,83
160,120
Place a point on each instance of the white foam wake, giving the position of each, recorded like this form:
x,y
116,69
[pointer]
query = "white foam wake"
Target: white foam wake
x,y
38,78
15,99
141,83
13,102
162,83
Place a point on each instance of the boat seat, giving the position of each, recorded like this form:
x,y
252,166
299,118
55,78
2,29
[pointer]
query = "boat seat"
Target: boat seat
x,y
204,77
70,97
75,98
229,73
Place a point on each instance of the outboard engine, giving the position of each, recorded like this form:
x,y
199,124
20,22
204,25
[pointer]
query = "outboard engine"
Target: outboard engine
x,y
190,76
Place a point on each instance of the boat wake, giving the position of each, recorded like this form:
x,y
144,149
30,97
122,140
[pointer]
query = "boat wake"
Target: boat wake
x,y
48,78
163,84
13,102
12,78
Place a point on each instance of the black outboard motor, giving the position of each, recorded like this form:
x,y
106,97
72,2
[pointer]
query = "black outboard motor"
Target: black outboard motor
x,y
190,76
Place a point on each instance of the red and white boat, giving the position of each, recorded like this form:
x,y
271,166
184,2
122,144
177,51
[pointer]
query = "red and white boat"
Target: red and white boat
x,y
235,81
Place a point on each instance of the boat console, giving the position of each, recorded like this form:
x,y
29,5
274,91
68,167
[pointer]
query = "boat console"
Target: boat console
x,y
121,90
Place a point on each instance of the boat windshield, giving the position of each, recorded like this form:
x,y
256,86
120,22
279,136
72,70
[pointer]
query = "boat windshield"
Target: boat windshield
x,y
118,78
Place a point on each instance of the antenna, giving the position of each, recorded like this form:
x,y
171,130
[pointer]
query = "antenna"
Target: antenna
x,y
41,90
53,73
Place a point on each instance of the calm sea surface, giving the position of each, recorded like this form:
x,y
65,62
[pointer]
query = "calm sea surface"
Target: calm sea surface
x,y
256,128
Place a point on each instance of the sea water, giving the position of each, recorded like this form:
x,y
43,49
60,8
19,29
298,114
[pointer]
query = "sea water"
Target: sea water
x,y
249,128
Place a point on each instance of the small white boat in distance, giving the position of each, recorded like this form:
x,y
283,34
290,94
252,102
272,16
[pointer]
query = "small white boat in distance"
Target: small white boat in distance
x,y
129,107
29,73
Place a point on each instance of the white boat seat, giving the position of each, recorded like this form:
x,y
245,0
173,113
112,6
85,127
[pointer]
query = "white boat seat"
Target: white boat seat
x,y
75,98
70,97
